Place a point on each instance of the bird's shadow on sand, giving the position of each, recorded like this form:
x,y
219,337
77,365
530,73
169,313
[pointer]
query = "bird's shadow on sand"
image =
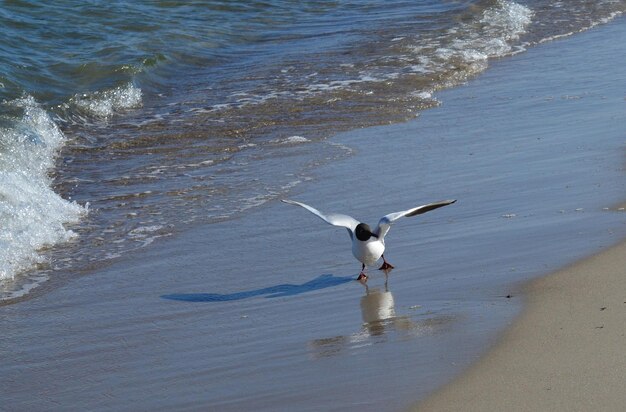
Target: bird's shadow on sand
x,y
277,291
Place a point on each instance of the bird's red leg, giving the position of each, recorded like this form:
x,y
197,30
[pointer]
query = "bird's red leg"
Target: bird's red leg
x,y
386,265
362,276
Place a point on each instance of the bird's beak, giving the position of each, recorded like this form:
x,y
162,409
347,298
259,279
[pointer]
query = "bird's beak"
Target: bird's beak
x,y
373,235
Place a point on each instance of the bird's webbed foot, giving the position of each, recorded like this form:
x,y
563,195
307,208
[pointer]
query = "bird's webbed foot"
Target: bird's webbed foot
x,y
362,276
386,265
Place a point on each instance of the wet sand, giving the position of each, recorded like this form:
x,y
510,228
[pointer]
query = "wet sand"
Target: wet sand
x,y
565,353
262,312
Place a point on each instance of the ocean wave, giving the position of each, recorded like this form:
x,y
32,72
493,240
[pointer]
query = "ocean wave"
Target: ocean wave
x,y
32,215
104,104
589,25
470,45
448,57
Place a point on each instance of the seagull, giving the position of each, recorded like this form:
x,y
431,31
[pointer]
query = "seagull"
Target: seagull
x,y
368,246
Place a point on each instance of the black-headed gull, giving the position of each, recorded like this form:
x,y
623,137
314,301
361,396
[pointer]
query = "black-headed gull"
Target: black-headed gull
x,y
368,246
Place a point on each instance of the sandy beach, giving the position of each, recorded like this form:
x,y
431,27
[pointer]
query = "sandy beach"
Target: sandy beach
x,y
565,353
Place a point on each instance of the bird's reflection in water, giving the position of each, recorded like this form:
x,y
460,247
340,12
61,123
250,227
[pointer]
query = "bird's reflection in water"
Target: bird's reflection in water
x,y
378,311
379,323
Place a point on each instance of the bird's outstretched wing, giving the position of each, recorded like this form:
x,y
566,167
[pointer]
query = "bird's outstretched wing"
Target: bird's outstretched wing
x,y
334,219
385,222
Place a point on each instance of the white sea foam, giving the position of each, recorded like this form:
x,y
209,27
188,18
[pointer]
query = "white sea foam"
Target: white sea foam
x,y
507,20
32,215
291,140
296,139
499,26
145,235
591,25
105,104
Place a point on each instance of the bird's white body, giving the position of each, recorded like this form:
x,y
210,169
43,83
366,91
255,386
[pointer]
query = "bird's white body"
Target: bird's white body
x,y
368,246
369,251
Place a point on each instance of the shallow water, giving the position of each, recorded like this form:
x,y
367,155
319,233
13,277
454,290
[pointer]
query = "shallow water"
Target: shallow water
x,y
258,312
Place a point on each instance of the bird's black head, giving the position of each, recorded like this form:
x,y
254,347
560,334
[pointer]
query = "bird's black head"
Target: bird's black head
x,y
363,232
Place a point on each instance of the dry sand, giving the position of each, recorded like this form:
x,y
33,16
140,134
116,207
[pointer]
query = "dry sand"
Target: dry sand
x,y
565,353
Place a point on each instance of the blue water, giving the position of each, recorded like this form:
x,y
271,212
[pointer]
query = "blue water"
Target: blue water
x,y
54,51
124,122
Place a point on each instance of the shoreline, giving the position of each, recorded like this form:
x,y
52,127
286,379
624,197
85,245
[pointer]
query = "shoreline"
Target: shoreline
x,y
562,353
563,350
